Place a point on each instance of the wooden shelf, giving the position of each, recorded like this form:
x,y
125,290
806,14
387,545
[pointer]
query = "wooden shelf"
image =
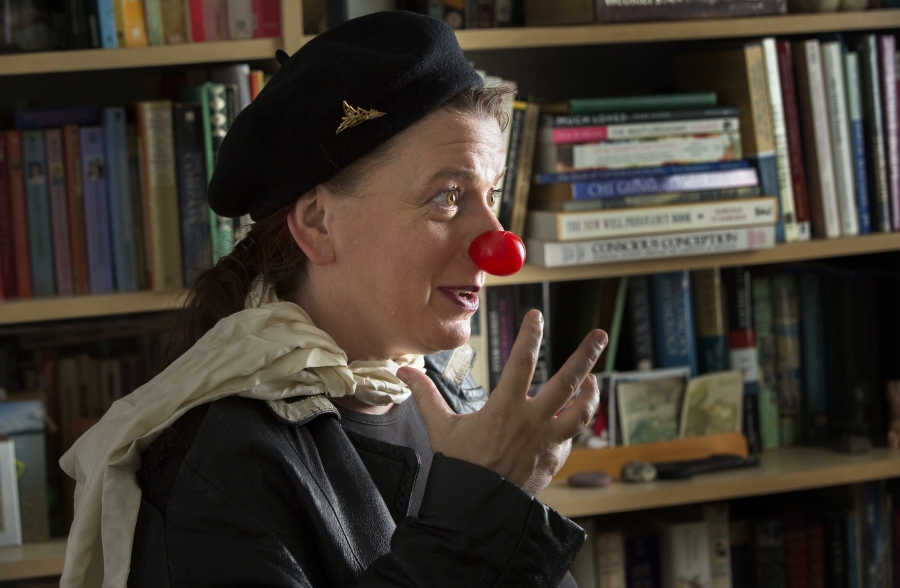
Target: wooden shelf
x,y
785,470
93,59
32,560
788,24
71,307
815,249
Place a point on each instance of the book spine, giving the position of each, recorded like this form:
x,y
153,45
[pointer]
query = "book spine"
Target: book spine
x,y
787,349
7,242
673,320
19,207
556,254
742,355
888,54
77,34
796,550
812,320
662,184
794,139
215,24
610,559
857,133
779,134
853,545
153,15
664,199
155,130
642,130
96,209
59,213
835,550
642,562
875,542
268,18
684,554
221,228
512,162
626,173
133,25
173,22
770,569
765,353
105,18
522,184
841,148
823,198
653,102
137,208
525,298
240,19
652,152
623,118
608,11
192,189
712,344
873,122
196,17
43,118
572,226
75,205
716,516
40,230
641,323
119,193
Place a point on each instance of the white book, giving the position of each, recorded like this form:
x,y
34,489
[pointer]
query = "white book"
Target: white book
x,y
623,222
684,554
11,529
557,254
716,516
653,152
821,144
779,128
841,140
241,20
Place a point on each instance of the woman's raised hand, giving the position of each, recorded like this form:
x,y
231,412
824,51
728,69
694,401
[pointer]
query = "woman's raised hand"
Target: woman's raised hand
x,y
525,440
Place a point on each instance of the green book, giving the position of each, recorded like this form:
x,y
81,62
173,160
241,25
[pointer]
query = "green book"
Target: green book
x,y
765,350
642,103
153,16
213,108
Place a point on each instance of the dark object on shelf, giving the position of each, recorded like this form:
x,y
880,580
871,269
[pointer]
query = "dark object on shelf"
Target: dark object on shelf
x,y
638,471
678,470
590,479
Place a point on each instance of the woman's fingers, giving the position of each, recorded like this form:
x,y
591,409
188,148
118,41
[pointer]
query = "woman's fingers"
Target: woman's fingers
x,y
432,406
561,387
578,415
519,368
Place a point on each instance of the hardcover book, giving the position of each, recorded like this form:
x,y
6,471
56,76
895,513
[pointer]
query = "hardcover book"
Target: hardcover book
x,y
873,123
75,205
596,175
794,139
765,352
96,209
59,210
888,59
191,165
118,183
7,242
642,352
642,200
673,319
788,353
40,228
19,208
742,343
712,343
858,140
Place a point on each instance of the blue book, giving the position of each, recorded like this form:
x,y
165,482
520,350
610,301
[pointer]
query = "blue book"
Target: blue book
x,y
767,168
858,139
96,209
854,551
673,320
40,231
102,23
642,567
812,321
190,161
636,172
661,184
43,118
118,182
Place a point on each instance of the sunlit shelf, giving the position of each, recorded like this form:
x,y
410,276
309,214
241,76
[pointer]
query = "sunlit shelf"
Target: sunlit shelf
x,y
788,24
32,560
785,470
94,59
815,249
71,307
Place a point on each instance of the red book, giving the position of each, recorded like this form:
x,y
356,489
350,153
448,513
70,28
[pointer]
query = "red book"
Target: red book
x,y
794,138
815,536
796,550
7,251
198,30
75,206
215,20
59,211
19,213
888,57
268,18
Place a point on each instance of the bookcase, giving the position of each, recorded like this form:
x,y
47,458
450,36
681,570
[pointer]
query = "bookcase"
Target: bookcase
x,y
525,55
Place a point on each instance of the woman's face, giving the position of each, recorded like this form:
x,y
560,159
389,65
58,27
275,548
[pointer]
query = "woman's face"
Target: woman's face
x,y
401,280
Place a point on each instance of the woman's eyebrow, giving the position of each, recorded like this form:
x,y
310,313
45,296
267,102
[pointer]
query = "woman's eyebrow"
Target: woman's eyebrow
x,y
461,173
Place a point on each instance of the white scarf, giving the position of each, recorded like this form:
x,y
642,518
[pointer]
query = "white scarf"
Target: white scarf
x,y
270,352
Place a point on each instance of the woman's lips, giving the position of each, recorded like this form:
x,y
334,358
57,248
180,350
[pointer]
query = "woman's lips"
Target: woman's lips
x,y
465,297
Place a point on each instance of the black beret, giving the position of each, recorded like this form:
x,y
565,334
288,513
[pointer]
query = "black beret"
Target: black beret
x,y
402,64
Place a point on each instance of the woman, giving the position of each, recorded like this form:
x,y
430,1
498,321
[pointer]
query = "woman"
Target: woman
x,y
277,449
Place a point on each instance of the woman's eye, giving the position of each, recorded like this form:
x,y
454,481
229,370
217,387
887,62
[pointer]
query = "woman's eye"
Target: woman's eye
x,y
494,196
448,198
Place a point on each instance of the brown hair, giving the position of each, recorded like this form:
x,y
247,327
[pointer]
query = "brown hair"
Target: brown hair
x,y
269,251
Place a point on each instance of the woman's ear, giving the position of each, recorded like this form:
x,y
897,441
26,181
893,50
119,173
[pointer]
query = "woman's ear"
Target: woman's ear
x,y
308,227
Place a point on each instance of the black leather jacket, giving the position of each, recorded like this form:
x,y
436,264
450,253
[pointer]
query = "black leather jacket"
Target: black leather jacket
x,y
235,495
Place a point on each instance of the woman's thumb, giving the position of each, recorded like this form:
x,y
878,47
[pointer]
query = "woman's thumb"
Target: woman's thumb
x,y
431,404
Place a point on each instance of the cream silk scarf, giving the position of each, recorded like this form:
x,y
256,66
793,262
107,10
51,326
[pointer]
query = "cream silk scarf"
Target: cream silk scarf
x,y
269,351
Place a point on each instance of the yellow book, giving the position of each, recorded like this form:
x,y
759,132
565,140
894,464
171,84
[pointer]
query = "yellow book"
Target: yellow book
x,y
131,27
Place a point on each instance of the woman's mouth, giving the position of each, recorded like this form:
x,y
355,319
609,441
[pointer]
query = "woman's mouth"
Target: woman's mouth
x,y
466,297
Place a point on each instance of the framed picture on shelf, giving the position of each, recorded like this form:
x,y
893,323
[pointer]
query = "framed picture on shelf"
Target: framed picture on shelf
x,y
647,404
10,523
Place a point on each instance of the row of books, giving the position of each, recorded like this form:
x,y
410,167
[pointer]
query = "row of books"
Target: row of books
x,y
842,537
812,344
459,14
34,25
114,199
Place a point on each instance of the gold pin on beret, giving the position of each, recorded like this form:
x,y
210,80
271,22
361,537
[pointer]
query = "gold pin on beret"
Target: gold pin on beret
x,y
354,116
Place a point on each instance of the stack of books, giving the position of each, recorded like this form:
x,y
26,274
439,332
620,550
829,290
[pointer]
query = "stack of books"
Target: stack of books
x,y
613,186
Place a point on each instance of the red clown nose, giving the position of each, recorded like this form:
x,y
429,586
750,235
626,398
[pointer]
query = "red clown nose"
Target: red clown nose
x,y
499,253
